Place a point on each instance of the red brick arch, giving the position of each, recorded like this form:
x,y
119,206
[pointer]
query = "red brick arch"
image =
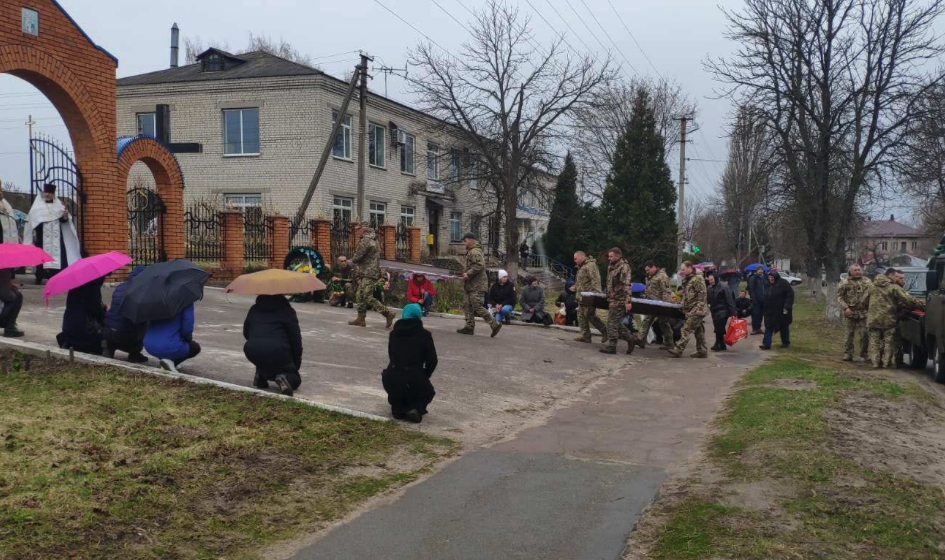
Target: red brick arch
x,y
78,77
169,180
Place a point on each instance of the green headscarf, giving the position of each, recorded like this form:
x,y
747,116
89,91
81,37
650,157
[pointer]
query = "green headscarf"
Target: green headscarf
x,y
412,311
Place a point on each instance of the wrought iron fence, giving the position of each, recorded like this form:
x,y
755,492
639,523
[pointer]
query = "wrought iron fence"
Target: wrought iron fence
x,y
301,236
339,238
145,226
203,234
52,163
257,231
403,246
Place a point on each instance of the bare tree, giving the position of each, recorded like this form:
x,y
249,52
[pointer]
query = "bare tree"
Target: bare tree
x,y
605,118
281,48
509,100
922,171
838,82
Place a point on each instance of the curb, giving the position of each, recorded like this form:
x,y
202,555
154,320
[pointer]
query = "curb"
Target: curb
x,y
41,350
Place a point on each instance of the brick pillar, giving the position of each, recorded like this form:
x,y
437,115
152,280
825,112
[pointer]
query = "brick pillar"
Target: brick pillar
x,y
413,245
320,230
388,232
278,242
354,235
231,261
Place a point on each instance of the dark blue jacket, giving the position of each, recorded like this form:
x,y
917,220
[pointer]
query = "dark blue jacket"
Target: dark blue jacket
x,y
114,319
756,288
169,338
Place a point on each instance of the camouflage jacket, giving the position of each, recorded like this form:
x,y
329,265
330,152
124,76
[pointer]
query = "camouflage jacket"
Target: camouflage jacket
x,y
618,283
855,294
658,287
694,296
588,279
475,268
885,299
368,257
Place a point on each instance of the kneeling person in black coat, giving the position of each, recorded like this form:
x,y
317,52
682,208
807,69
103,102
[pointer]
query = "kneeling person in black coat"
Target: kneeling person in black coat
x,y
274,343
412,361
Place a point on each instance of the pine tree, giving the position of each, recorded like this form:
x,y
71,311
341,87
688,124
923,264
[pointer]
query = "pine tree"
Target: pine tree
x,y
638,204
565,215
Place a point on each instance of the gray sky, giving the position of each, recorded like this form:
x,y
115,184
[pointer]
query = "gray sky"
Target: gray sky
x,y
677,35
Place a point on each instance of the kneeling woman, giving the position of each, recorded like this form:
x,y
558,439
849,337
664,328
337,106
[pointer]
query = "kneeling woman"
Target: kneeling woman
x,y
412,361
274,343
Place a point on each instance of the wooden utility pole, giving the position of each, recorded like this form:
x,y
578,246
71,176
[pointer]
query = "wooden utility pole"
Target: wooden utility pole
x,y
29,123
682,184
362,133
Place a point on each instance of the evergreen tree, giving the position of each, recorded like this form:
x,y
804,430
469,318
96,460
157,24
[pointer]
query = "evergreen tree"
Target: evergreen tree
x,y
638,207
565,216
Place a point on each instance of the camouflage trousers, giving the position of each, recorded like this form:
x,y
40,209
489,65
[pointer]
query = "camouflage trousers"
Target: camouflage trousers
x,y
883,347
366,300
615,328
855,329
663,324
694,325
587,317
473,307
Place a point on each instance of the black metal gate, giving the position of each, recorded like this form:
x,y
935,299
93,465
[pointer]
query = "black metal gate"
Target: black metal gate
x,y
339,238
50,162
146,226
403,247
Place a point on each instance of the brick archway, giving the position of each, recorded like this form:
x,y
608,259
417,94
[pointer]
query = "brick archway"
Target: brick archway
x,y
169,180
78,78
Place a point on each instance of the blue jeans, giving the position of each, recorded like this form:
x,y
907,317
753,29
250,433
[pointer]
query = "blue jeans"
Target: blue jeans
x,y
504,313
785,335
427,304
757,312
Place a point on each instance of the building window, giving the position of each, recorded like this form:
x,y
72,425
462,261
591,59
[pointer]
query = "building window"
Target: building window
x,y
341,209
376,136
914,245
903,246
242,201
378,212
474,174
407,214
456,226
454,165
146,124
241,132
406,154
475,225
342,147
433,161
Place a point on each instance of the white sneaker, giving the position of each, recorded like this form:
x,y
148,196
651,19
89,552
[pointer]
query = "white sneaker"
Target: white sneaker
x,y
168,365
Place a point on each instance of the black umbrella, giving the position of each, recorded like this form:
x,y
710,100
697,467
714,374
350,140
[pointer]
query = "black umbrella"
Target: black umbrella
x,y
163,290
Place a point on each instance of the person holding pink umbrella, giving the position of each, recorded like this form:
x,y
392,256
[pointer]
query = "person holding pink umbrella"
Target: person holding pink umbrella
x,y
13,256
84,319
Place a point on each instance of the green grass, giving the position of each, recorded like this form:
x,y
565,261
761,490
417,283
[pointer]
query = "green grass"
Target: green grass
x,y
96,463
778,437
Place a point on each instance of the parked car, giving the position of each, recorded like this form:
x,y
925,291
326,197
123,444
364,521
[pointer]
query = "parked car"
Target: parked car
x,y
923,333
794,280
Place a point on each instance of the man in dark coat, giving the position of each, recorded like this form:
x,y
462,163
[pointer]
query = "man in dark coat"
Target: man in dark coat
x,y
274,343
120,333
779,310
756,291
523,255
84,319
12,301
412,362
721,306
743,305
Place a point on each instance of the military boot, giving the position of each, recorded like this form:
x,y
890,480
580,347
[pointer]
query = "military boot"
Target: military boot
x,y
608,349
698,355
675,352
466,330
640,340
495,329
631,345
359,322
390,318
847,358
584,339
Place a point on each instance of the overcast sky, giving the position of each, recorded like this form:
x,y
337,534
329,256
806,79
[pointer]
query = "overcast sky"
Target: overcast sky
x,y
676,35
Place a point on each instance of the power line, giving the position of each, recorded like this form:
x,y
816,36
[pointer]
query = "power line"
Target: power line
x,y
559,34
586,46
427,37
634,39
445,11
609,38
334,55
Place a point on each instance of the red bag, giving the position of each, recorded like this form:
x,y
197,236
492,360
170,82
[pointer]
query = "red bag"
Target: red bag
x,y
737,330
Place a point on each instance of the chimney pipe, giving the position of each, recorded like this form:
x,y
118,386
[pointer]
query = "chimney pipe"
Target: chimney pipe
x,y
174,36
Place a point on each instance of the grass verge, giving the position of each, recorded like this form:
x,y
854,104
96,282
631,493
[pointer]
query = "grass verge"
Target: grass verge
x,y
776,484
99,463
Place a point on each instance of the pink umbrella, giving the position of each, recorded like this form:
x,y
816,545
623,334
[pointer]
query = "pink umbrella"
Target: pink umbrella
x,y
84,271
14,255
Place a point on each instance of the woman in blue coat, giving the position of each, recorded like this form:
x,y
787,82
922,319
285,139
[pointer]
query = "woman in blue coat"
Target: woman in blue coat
x,y
172,340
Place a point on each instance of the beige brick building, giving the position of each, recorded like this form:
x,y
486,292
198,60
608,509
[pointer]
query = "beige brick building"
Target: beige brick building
x,y
261,123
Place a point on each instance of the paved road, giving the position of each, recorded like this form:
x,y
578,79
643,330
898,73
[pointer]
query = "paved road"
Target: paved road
x,y
564,445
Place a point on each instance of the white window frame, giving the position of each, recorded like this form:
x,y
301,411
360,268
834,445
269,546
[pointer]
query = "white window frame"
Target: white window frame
x,y
915,245
238,200
377,132
408,215
153,117
242,152
345,132
433,158
375,209
344,205
455,165
411,169
884,246
456,218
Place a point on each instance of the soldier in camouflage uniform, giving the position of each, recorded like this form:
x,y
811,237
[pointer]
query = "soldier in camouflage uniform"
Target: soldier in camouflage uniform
x,y
368,259
886,298
619,302
657,288
587,280
853,295
695,306
474,273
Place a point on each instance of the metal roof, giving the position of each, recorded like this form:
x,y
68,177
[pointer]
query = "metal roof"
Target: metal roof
x,y
888,228
258,65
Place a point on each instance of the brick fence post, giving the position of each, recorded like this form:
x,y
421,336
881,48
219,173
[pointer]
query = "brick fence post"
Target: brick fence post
x,y
320,231
231,261
388,232
413,245
279,241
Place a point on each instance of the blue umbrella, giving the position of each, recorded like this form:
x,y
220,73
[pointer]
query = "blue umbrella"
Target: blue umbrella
x,y
754,266
637,288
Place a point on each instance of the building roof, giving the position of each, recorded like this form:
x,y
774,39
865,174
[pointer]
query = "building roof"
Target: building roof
x,y
888,228
258,65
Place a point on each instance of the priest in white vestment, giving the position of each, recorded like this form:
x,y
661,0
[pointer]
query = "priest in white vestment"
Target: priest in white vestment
x,y
54,231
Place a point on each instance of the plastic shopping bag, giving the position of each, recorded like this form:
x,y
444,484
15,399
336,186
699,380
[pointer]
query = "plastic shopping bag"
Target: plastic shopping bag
x,y
737,330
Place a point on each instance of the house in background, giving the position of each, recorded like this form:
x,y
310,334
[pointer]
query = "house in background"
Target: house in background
x,y
878,239
260,123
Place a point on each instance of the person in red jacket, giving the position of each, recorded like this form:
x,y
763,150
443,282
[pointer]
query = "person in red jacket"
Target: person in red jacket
x,y
421,291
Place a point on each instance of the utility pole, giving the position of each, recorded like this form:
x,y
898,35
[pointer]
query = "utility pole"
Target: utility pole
x,y
30,122
362,133
682,183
